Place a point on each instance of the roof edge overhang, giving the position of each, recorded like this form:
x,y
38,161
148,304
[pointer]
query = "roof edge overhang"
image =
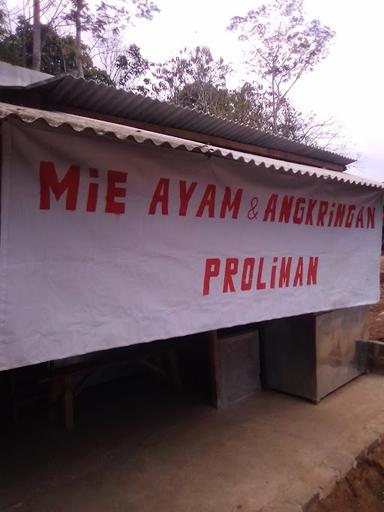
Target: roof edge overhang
x,y
85,97
59,120
208,139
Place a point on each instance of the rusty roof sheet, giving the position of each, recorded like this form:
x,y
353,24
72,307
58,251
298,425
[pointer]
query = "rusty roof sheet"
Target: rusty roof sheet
x,y
34,116
67,91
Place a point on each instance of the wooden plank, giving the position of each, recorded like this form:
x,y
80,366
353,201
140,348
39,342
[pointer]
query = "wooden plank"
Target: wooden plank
x,y
205,139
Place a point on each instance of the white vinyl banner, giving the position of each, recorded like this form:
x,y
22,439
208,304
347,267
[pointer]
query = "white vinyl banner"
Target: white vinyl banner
x,y
107,243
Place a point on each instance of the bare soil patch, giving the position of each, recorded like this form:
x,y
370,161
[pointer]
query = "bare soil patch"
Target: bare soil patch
x,y
362,490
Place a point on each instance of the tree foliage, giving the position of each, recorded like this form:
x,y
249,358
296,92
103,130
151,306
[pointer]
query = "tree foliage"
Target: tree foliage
x,y
68,24
125,65
104,25
193,78
57,52
282,46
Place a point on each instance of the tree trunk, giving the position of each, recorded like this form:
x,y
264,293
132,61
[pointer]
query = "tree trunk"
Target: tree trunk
x,y
79,65
36,56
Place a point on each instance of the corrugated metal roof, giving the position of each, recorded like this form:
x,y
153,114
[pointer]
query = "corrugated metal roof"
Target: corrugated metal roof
x,y
122,132
67,91
17,75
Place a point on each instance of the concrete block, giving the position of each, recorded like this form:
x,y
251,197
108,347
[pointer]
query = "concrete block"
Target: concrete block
x,y
238,364
375,355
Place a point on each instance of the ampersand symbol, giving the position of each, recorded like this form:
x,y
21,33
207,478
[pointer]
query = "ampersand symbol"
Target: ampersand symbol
x,y
253,211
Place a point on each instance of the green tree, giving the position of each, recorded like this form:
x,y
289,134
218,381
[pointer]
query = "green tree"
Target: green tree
x,y
193,78
57,52
247,105
282,47
104,24
125,65
36,55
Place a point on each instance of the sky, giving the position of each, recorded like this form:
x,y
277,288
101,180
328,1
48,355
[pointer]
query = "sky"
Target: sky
x,y
347,86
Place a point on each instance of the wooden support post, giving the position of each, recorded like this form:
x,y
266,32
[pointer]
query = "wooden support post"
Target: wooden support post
x,y
174,369
213,342
68,403
12,386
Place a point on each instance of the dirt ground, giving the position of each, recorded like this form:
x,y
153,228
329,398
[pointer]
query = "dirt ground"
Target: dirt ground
x,y
123,440
362,490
